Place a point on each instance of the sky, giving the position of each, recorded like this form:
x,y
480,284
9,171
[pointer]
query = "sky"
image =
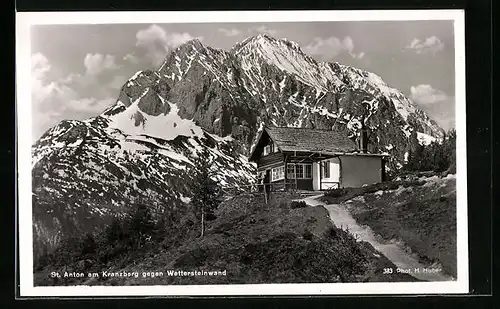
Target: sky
x,y
78,70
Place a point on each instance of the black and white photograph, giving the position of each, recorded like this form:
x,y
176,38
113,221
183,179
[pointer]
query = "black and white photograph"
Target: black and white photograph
x,y
241,153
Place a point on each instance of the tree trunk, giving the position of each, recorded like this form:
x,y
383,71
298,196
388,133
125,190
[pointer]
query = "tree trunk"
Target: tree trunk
x,y
202,222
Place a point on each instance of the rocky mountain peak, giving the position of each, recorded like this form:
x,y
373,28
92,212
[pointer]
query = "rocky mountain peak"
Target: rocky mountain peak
x,y
265,43
189,46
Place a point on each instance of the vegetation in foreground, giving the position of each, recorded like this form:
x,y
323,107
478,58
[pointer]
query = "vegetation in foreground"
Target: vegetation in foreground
x,y
419,213
254,242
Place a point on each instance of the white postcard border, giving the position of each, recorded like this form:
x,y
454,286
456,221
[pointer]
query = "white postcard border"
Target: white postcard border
x,y
23,112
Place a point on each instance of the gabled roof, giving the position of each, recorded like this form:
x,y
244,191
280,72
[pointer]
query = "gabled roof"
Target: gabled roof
x,y
313,140
308,140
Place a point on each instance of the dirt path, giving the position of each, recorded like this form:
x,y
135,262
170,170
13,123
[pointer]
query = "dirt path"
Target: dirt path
x,y
397,255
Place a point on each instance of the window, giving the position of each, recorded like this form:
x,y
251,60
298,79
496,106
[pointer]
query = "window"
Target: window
x,y
269,149
278,173
290,171
307,171
299,171
326,169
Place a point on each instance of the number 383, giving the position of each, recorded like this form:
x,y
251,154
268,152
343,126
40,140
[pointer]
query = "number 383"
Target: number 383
x,y
387,271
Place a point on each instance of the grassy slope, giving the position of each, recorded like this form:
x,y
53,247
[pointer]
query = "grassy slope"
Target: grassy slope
x,y
259,243
420,214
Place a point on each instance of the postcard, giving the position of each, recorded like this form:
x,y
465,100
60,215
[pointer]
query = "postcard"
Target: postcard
x,y
241,153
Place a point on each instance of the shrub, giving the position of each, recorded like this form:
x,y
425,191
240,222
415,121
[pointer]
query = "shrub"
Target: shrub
x,y
338,192
283,205
193,258
114,232
210,216
141,222
331,232
311,219
88,245
307,235
350,259
298,204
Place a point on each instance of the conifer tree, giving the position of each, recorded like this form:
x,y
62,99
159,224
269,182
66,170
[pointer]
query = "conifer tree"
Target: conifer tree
x,y
113,232
206,193
436,156
141,224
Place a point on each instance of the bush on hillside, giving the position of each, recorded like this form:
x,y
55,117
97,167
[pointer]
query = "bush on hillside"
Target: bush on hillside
x,y
141,225
336,192
305,259
298,204
307,235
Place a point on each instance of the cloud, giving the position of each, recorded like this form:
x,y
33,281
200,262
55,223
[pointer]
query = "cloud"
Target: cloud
x,y
42,88
446,119
438,105
175,39
132,58
81,81
157,42
95,64
332,47
431,44
56,98
426,94
89,105
151,35
229,32
263,29
39,65
117,82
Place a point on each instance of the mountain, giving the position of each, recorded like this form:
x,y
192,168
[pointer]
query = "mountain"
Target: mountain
x,y
138,149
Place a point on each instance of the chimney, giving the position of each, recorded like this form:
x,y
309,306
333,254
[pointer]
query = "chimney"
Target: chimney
x,y
363,135
363,140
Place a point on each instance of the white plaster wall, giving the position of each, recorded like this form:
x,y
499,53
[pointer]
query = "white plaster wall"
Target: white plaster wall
x,y
334,173
315,175
360,170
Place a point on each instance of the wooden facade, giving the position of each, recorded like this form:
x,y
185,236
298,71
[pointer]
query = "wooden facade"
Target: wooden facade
x,y
288,161
271,160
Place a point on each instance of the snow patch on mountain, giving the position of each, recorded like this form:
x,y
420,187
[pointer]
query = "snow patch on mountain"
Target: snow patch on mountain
x,y
166,127
425,139
131,80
